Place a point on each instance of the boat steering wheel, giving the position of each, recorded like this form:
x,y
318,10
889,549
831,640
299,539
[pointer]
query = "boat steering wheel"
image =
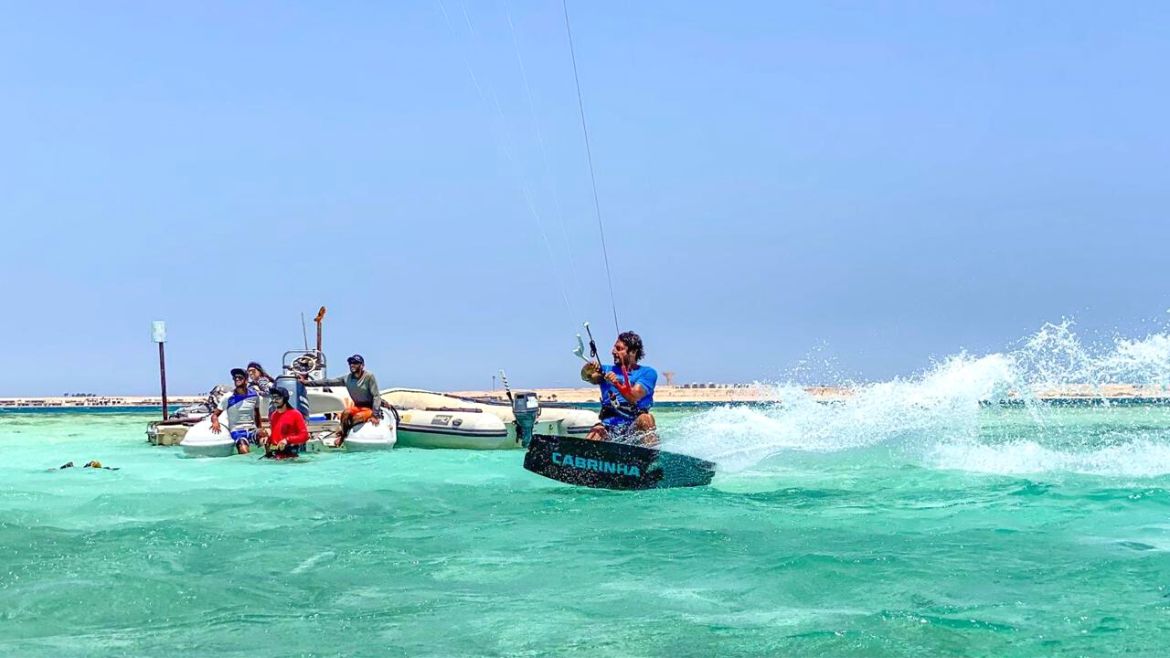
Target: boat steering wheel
x,y
304,364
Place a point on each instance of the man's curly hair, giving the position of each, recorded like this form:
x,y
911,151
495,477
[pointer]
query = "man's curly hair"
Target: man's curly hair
x,y
633,343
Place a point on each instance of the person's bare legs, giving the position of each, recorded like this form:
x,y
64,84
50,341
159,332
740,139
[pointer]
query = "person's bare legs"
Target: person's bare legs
x,y
646,430
346,425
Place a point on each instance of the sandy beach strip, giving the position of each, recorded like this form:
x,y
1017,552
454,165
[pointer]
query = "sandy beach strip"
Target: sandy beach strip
x,y
762,393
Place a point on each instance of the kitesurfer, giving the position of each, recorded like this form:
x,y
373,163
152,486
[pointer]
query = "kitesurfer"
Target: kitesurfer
x,y
243,412
363,392
627,394
287,434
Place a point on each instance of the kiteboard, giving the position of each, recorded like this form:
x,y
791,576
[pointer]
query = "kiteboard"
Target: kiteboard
x,y
608,465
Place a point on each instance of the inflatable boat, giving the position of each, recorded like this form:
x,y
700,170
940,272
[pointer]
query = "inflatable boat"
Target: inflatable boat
x,y
437,420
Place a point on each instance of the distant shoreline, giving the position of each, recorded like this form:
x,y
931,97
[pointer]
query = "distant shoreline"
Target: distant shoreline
x,y
717,394
97,401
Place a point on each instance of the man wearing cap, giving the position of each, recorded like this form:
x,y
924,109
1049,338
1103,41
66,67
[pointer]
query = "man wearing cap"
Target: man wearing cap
x,y
243,412
363,391
289,434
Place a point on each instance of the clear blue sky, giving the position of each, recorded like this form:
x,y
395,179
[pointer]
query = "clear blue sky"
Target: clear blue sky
x,y
891,181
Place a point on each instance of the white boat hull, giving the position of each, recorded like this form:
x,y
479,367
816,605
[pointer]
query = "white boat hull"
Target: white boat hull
x,y
467,430
368,437
200,441
436,420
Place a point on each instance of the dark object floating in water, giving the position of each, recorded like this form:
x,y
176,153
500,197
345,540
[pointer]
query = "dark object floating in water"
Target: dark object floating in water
x,y
607,465
95,464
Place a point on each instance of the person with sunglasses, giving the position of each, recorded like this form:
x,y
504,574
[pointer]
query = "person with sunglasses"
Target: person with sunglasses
x,y
258,379
243,412
362,387
287,433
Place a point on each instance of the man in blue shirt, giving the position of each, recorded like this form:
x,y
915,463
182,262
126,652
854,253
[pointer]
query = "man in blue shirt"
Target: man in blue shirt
x,y
627,394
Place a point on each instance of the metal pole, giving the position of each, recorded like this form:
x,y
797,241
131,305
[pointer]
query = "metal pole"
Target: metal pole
x,y
162,371
318,319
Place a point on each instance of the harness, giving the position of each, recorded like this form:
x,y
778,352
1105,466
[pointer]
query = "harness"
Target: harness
x,y
617,413
624,413
620,412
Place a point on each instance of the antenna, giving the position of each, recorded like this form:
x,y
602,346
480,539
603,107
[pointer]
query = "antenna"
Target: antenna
x,y
504,379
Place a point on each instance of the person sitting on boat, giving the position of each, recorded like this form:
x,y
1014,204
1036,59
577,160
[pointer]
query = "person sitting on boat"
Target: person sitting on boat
x,y
258,379
243,412
363,391
287,433
627,394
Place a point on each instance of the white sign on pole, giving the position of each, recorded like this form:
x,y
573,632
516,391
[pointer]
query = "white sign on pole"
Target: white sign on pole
x,y
158,331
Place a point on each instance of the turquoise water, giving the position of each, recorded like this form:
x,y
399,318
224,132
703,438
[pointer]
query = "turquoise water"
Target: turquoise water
x,y
899,523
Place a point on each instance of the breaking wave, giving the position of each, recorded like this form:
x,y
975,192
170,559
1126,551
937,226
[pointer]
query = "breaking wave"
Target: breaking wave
x,y
997,413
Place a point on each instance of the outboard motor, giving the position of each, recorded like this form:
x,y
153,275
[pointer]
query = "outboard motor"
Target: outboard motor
x,y
298,397
526,408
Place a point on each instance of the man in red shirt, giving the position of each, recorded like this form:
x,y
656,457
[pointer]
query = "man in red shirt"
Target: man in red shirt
x,y
289,434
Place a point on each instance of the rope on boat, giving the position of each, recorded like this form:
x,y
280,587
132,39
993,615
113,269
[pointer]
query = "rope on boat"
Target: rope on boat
x,y
592,174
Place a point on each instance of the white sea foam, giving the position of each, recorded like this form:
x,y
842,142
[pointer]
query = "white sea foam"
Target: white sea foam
x,y
1135,459
310,562
939,419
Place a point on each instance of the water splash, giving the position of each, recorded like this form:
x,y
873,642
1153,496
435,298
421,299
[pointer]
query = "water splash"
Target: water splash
x,y
1139,458
952,415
